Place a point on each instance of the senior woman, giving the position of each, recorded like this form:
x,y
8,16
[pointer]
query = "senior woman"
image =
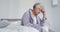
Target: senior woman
x,y
31,18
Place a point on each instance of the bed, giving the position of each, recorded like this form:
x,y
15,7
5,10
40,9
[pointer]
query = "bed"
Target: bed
x,y
14,26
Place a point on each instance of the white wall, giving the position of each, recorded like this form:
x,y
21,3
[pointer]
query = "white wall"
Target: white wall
x,y
16,8
4,8
53,14
25,5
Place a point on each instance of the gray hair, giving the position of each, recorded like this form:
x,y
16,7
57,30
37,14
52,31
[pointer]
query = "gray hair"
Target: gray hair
x,y
36,4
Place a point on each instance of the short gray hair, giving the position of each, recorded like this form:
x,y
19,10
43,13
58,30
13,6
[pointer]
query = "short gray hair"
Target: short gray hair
x,y
36,4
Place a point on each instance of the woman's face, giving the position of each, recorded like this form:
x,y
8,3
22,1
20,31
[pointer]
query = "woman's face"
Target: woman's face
x,y
37,10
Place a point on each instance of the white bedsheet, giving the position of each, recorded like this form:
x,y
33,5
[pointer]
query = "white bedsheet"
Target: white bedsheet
x,y
16,27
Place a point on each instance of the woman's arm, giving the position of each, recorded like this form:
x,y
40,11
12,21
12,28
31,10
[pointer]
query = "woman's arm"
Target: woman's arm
x,y
44,13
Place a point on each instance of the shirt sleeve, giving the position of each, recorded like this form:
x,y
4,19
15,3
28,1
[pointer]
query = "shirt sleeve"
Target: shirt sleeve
x,y
42,21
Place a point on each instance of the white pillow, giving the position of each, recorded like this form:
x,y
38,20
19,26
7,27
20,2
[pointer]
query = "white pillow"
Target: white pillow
x,y
4,23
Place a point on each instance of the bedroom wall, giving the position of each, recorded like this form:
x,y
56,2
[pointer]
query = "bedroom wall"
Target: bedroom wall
x,y
53,14
4,8
16,8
